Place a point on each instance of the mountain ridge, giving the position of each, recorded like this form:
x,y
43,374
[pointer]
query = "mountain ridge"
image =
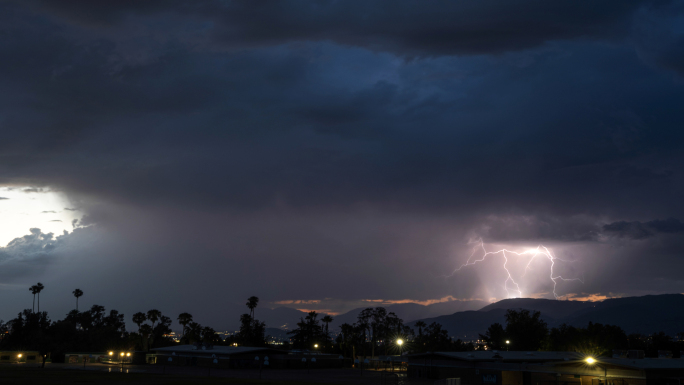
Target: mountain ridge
x,y
632,314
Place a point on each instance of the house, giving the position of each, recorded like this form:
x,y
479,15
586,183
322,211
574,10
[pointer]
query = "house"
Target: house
x,y
545,368
241,357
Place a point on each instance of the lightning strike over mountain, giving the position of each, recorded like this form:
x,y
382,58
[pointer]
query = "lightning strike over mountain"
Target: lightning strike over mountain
x,y
510,284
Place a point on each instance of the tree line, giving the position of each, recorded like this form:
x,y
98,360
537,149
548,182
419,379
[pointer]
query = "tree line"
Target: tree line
x,y
526,331
96,330
375,332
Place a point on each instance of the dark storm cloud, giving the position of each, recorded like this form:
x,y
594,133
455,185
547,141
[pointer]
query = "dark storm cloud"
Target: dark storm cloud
x,y
539,228
410,28
660,38
102,12
641,230
295,144
571,229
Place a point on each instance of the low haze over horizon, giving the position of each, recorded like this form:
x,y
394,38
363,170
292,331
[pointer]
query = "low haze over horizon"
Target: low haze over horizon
x,y
328,155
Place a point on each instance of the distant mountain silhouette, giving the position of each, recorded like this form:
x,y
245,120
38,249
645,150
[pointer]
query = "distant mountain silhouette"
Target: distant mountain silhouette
x,y
647,314
550,307
411,311
286,318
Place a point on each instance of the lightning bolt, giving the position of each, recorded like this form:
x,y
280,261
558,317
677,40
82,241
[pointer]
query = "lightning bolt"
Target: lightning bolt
x,y
514,287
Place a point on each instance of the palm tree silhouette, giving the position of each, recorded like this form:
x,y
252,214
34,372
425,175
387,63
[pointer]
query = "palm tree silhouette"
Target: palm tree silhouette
x,y
154,315
139,318
34,291
39,288
252,304
184,319
420,325
327,320
77,293
145,332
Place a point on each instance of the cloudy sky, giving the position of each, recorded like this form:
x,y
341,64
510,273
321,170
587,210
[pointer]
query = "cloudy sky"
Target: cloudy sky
x,y
185,155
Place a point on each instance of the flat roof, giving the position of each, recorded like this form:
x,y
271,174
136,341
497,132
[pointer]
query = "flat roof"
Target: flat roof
x,y
491,355
642,363
214,350
558,358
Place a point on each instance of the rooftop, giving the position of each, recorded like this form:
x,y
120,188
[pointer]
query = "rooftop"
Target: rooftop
x,y
215,349
493,355
559,358
643,363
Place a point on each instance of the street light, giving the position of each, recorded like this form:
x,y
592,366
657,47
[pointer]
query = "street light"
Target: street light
x,y
400,342
507,343
315,346
592,361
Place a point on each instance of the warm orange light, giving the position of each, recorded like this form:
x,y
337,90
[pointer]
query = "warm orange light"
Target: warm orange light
x,y
19,355
590,360
128,354
121,354
400,342
111,353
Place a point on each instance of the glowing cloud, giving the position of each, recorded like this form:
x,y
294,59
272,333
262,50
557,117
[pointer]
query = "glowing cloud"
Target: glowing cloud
x,y
510,285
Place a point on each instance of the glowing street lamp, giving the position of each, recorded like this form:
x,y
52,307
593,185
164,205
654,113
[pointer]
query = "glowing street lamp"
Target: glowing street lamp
x,y
507,343
315,346
592,361
400,342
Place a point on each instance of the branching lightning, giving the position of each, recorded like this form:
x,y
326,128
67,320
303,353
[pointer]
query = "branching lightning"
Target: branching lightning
x,y
510,285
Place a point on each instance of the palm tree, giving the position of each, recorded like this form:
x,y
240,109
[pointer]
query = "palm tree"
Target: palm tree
x,y
77,293
145,332
139,318
153,315
184,319
34,291
39,288
420,325
327,320
252,304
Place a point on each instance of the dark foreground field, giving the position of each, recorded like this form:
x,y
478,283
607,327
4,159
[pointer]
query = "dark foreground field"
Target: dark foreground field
x,y
153,375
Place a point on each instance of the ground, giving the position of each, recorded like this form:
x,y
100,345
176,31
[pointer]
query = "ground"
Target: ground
x,y
57,374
